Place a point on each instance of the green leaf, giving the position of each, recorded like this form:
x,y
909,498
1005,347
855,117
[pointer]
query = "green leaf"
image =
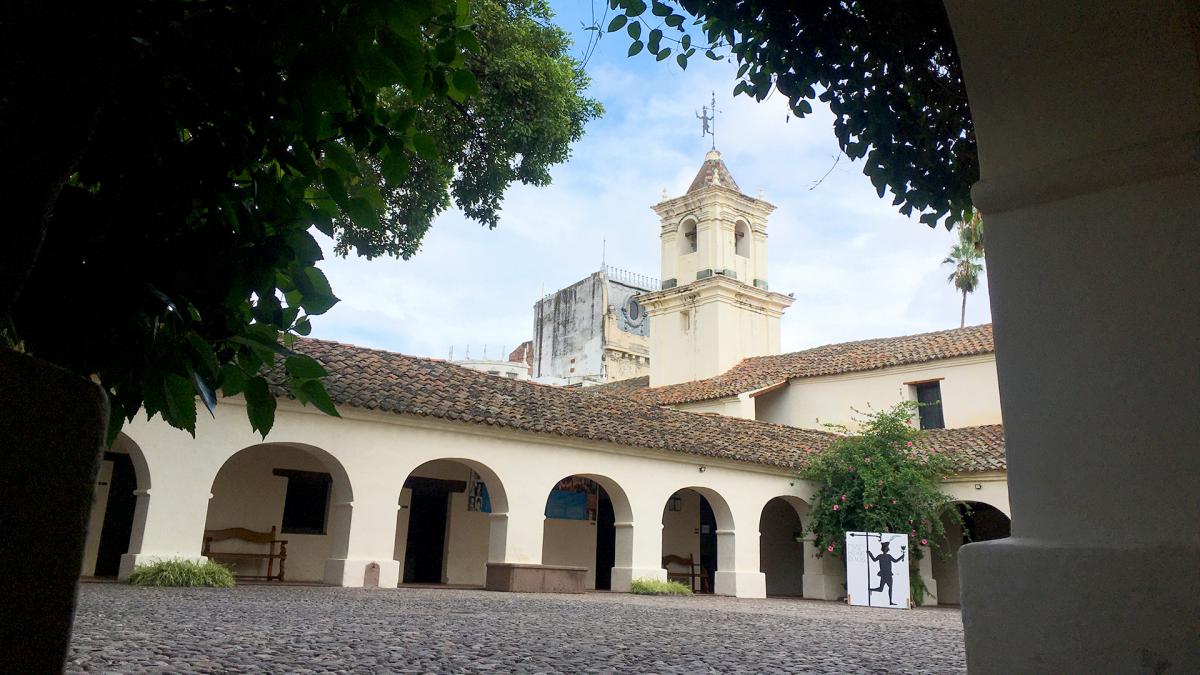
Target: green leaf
x,y
314,391
302,367
180,399
712,55
682,61
303,326
635,30
674,21
318,296
337,156
617,22
233,380
425,146
662,54
635,48
652,44
363,214
660,9
260,405
206,357
468,41
205,391
464,80
334,186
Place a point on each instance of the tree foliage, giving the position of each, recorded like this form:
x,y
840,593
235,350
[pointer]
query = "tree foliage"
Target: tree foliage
x,y
889,72
879,479
166,249
523,114
965,259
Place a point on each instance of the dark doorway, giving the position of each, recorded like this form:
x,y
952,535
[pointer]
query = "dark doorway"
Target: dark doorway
x,y
708,543
426,537
606,542
118,515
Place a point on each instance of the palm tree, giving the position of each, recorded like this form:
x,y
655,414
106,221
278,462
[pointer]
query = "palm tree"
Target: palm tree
x,y
965,258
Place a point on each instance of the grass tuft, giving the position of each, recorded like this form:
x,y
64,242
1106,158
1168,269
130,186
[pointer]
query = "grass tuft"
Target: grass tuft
x,y
658,587
182,573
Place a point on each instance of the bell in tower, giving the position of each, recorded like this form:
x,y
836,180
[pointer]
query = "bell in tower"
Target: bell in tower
x,y
714,308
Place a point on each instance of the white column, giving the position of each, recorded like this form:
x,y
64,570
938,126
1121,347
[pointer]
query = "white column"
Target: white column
x,y
925,569
1088,121
641,544
516,536
824,576
738,570
168,521
364,532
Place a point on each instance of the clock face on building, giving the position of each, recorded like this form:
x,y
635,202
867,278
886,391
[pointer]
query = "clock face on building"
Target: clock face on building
x,y
633,317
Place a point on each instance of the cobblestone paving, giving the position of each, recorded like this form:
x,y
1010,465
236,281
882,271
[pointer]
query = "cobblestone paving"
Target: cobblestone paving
x,y
318,629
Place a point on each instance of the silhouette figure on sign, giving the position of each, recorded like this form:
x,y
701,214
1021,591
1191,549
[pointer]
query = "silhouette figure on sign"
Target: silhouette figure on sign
x,y
885,561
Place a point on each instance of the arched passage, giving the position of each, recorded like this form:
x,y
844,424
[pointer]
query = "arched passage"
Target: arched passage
x,y
120,495
449,522
582,512
687,237
781,545
697,537
299,490
980,522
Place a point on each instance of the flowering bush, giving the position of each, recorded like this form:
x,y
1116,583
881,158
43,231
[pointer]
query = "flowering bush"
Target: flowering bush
x,y
878,479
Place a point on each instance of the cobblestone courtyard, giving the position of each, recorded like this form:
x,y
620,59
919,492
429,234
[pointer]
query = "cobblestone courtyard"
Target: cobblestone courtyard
x,y
317,629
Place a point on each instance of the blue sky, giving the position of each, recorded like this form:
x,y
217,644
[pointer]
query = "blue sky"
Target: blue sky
x,y
857,267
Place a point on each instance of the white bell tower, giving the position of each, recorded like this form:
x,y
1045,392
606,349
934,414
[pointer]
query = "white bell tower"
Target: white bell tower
x,y
714,308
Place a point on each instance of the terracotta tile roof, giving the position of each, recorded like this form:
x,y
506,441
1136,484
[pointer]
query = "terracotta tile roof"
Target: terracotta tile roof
x,y
974,449
846,357
395,383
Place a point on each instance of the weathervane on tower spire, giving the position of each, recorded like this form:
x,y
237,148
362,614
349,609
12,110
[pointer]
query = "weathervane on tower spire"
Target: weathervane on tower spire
x,y
708,120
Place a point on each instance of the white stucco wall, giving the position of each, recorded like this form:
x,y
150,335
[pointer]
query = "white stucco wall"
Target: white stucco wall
x,y
970,394
570,542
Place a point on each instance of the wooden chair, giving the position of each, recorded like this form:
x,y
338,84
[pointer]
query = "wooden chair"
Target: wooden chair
x,y
693,574
268,538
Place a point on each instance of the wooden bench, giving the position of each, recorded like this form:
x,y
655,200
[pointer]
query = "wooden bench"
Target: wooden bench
x,y
694,572
271,555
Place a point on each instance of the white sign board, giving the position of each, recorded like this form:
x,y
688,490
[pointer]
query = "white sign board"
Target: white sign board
x,y
877,569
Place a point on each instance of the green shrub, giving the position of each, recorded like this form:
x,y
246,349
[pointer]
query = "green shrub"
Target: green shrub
x,y
182,573
658,587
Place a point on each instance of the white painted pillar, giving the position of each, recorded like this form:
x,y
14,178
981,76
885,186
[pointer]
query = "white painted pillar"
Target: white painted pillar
x,y
738,571
168,521
639,553
824,576
516,536
1088,122
364,532
925,569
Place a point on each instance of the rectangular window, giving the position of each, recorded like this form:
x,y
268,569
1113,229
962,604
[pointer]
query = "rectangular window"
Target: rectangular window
x,y
929,396
307,501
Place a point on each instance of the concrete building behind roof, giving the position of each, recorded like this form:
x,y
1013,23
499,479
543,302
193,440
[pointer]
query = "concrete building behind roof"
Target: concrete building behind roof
x,y
593,331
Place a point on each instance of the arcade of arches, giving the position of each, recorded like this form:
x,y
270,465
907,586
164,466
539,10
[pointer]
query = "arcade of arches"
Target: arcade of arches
x,y
457,507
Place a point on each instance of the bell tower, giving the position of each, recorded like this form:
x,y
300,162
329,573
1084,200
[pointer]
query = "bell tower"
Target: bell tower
x,y
714,308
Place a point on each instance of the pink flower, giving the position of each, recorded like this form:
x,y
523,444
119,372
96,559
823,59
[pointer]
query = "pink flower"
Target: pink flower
x,y
836,507
843,497
866,506
909,444
831,548
923,542
914,533
893,501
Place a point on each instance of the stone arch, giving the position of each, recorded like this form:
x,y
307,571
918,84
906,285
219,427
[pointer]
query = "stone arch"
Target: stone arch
x,y
688,238
600,544
117,520
698,523
301,490
782,543
742,239
452,520
983,522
